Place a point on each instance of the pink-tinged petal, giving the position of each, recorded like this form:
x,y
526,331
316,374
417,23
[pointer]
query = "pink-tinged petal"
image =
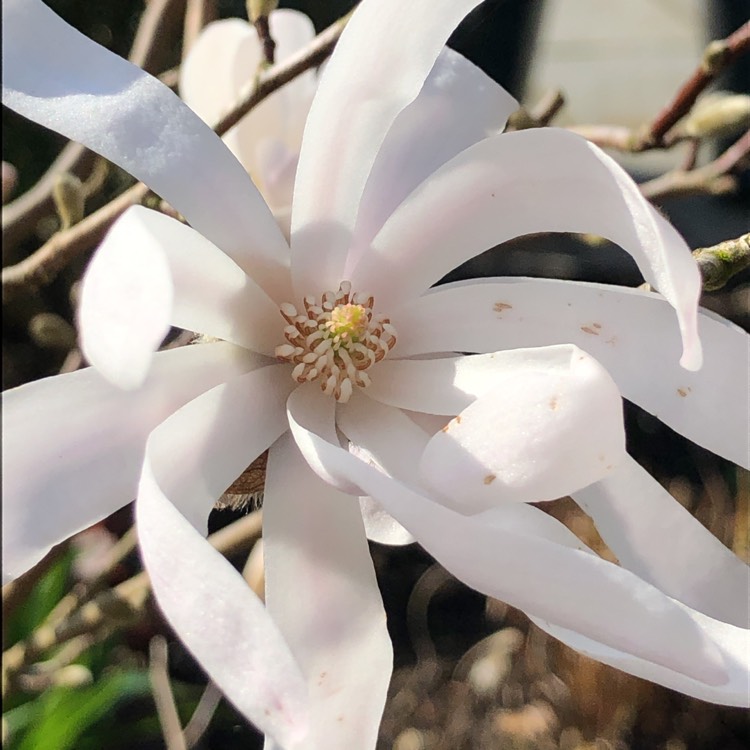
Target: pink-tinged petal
x,y
221,65
457,106
732,642
57,77
635,515
632,333
381,526
191,458
220,619
75,444
322,592
151,272
544,180
511,553
277,165
318,412
548,426
220,434
380,63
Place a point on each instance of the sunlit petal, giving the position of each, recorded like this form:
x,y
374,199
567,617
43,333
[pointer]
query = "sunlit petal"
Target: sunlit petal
x,y
378,68
61,79
632,333
635,516
152,272
545,180
74,444
457,106
550,572
315,546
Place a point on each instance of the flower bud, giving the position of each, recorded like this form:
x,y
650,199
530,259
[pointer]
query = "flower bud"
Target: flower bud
x,y
718,114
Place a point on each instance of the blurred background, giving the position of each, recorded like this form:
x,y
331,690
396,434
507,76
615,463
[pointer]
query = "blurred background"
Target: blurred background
x,y
471,673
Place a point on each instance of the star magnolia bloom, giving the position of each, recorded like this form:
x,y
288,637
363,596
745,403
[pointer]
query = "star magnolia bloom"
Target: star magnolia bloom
x,y
267,141
401,178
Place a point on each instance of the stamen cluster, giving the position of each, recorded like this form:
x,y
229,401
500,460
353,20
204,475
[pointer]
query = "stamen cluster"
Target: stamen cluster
x,y
335,341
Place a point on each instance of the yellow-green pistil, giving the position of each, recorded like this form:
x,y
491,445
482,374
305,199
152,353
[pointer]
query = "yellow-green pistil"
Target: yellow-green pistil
x,y
335,340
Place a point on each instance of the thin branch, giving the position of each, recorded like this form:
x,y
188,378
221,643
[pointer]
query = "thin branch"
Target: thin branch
x,y
20,217
42,266
198,14
715,178
717,56
201,718
166,709
659,134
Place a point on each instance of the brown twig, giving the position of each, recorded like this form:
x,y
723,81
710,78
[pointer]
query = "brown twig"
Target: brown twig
x,y
42,266
198,14
166,709
20,217
716,57
715,178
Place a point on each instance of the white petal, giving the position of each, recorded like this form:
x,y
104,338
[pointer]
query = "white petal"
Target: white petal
x,y
151,272
215,437
220,619
547,426
191,458
74,444
57,77
457,106
635,515
632,333
544,180
317,412
381,526
378,68
733,642
322,592
512,554
221,65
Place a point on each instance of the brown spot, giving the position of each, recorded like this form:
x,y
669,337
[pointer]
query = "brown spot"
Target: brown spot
x,y
553,404
499,307
609,467
340,719
445,429
597,325
458,419
266,712
592,331
489,479
684,391
611,341
602,457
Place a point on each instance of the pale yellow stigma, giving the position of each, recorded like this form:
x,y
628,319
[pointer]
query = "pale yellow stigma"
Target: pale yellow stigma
x,y
335,341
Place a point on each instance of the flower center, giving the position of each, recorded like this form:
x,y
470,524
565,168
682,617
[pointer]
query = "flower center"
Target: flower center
x,y
335,341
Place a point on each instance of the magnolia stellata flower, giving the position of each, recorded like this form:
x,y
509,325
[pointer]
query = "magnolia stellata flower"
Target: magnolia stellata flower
x,y
223,59
336,352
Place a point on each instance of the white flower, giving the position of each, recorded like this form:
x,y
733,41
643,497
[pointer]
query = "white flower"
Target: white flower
x,y
400,179
222,61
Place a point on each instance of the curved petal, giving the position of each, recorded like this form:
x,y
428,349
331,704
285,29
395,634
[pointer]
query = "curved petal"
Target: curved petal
x,y
509,554
75,444
222,63
381,526
322,593
151,272
378,68
221,433
734,644
457,106
57,77
191,458
220,619
547,426
544,180
634,515
632,333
